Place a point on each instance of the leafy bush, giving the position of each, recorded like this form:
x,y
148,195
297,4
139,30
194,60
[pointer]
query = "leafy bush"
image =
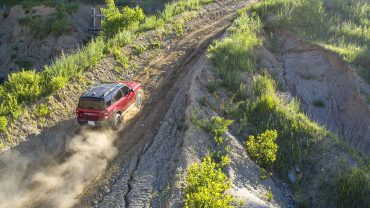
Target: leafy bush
x,y
263,148
10,106
3,123
115,21
218,126
151,22
41,111
119,55
206,186
25,86
57,83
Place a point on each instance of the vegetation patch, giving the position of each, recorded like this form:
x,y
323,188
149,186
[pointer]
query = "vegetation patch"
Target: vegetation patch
x,y
206,185
263,148
260,108
339,25
54,24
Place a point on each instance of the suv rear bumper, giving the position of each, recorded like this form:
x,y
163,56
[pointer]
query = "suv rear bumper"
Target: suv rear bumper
x,y
97,123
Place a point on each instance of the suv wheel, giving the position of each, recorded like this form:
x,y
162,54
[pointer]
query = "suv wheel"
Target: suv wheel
x,y
139,98
116,121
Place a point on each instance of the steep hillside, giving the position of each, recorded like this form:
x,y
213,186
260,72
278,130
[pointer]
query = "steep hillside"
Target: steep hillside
x,y
33,37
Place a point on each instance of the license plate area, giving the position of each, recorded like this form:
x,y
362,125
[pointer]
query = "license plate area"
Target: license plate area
x,y
91,123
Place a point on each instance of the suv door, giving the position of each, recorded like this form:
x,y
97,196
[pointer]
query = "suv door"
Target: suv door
x,y
118,100
129,96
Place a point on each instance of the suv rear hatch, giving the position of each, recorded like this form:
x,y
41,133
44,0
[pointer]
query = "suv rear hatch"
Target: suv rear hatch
x,y
91,109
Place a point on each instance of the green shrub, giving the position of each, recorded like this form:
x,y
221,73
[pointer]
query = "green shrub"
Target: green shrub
x,y
115,21
263,148
120,56
218,126
138,49
155,43
3,123
179,26
57,83
151,22
25,86
41,111
10,106
206,186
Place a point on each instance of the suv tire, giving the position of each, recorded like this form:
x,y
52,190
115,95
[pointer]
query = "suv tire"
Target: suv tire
x,y
116,121
139,98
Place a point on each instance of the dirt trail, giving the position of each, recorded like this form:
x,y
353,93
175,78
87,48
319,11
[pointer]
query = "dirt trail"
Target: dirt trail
x,y
148,147
326,86
138,162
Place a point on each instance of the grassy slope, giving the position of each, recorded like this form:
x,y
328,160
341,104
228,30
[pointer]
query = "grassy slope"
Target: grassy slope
x,y
339,25
303,144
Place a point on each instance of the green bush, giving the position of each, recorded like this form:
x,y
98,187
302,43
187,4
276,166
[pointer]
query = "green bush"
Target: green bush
x,y
57,83
115,21
3,123
218,126
119,55
263,148
206,186
10,106
41,111
25,86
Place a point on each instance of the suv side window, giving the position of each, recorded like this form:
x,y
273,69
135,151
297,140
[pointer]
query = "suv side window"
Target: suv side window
x,y
125,90
118,96
108,101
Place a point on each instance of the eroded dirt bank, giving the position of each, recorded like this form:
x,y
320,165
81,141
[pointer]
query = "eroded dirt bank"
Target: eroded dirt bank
x,y
20,47
326,86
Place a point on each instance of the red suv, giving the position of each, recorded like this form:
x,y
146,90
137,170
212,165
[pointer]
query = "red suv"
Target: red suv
x,y
106,103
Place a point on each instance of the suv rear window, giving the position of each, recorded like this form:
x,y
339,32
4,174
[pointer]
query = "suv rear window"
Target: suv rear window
x,y
90,103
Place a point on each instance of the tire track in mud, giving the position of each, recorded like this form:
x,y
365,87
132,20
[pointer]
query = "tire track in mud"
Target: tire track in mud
x,y
136,143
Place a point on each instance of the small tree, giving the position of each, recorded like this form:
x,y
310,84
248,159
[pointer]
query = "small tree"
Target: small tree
x,y
263,149
114,21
